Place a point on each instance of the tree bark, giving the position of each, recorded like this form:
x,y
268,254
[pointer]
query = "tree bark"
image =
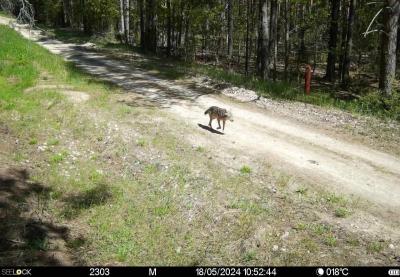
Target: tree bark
x,y
301,54
263,39
66,11
169,28
344,14
388,47
126,21
247,37
142,24
122,20
287,38
273,36
333,32
150,35
230,29
349,43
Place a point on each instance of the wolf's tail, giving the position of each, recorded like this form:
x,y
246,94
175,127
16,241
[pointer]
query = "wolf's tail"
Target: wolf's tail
x,y
207,111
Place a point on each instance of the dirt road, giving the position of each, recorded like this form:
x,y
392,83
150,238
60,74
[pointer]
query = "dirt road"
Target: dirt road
x,y
256,134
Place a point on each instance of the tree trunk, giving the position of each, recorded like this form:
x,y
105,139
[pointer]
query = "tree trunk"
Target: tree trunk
x,y
230,30
301,54
150,29
247,37
122,21
287,38
180,24
349,43
273,37
87,24
344,15
333,32
263,39
169,28
126,21
66,11
142,22
388,46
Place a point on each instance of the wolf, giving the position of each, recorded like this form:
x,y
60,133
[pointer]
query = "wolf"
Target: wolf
x,y
220,114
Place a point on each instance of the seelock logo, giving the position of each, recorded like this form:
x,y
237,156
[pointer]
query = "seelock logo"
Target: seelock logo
x,y
16,271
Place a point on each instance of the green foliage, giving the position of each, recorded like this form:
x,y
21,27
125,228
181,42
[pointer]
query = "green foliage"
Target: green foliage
x,y
341,212
245,169
375,104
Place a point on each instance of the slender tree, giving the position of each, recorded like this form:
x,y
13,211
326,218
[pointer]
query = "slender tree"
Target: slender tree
x,y
349,44
344,8
333,33
263,54
150,27
230,29
388,46
247,36
273,43
169,27
287,37
122,19
126,21
142,24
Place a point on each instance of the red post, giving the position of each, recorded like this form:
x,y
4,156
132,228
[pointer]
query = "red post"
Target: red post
x,y
307,79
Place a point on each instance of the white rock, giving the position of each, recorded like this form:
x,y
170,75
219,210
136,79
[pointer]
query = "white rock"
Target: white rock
x,y
275,248
285,235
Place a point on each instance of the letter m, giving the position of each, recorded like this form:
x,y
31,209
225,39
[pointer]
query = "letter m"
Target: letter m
x,y
152,271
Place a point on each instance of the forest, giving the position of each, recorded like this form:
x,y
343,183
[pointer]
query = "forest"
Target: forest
x,y
350,45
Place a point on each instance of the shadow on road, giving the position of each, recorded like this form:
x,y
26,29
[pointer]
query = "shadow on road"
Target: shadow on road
x,y
210,129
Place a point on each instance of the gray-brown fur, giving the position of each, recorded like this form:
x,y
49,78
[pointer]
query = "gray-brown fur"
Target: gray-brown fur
x,y
220,114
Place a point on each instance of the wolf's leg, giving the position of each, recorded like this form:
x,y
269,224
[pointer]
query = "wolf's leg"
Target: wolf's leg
x,y
223,125
209,124
219,124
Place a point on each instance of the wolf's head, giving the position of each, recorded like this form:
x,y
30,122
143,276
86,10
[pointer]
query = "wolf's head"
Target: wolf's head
x,y
229,116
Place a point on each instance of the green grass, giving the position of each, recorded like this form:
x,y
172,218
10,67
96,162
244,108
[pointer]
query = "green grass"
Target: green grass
x,y
5,14
59,157
53,142
331,240
245,169
341,212
141,142
375,247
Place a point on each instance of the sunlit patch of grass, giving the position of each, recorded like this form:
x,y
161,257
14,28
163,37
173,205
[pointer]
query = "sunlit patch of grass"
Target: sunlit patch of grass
x,y
141,142
53,142
245,169
59,157
341,212
375,247
330,240
33,141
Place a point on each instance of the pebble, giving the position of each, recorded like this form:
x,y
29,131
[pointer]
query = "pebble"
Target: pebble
x,y
285,235
275,248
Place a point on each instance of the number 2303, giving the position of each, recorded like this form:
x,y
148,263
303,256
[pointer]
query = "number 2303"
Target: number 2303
x,y
94,271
